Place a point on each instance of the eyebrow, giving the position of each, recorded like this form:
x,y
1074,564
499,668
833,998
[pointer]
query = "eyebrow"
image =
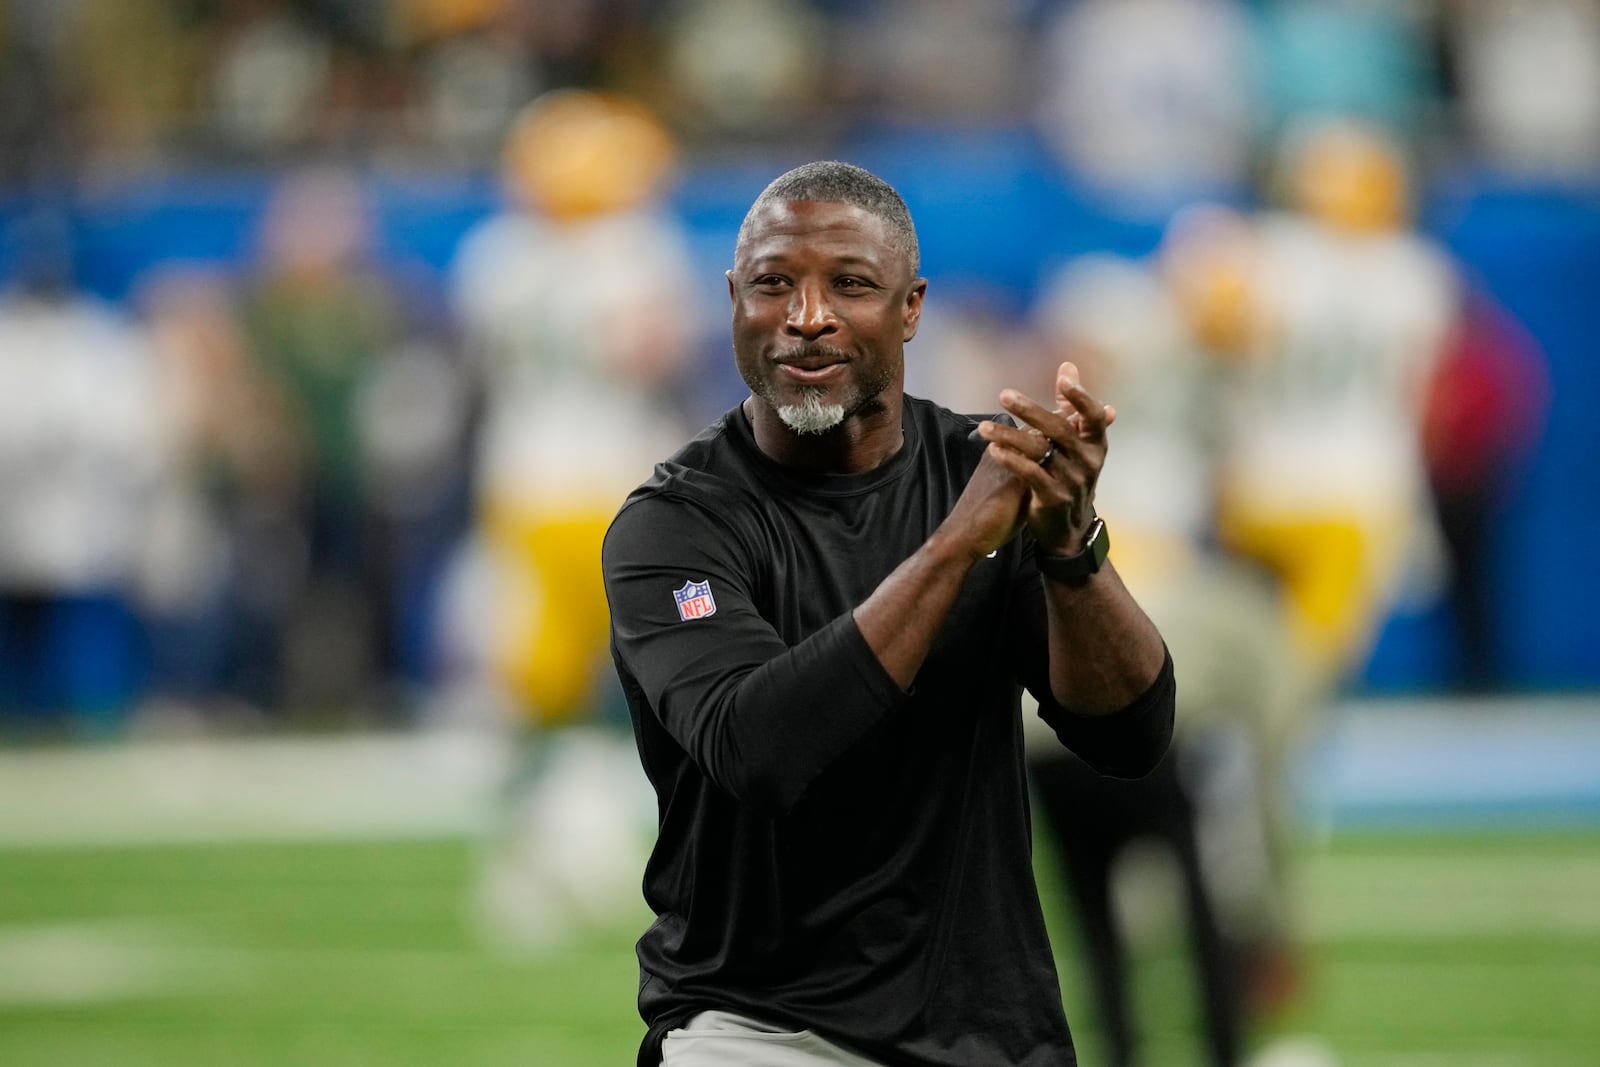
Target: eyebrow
x,y
847,259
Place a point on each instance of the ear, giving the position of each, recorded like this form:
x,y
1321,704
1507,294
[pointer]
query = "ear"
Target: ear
x,y
732,299
912,313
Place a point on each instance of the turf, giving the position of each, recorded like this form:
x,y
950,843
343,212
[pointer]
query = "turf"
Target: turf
x,y
1429,950
291,954
1424,951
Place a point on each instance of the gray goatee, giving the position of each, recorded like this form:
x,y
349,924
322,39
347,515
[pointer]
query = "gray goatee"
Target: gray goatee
x,y
811,415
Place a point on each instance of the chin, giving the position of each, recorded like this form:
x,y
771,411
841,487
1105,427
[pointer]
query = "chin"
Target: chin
x,y
812,413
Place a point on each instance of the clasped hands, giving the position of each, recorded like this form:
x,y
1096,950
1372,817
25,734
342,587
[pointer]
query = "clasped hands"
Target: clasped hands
x,y
1054,456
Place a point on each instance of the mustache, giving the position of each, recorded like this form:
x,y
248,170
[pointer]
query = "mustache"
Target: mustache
x,y
814,350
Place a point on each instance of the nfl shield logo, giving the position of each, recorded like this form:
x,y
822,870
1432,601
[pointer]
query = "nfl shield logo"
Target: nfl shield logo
x,y
694,600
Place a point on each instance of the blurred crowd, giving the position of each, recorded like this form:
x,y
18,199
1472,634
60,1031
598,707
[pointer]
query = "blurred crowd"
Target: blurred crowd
x,y
1158,93
313,484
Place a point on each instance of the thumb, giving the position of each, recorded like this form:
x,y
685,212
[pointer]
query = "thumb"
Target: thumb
x,y
1066,380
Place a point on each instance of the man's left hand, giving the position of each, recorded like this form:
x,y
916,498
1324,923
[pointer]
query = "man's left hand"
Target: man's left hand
x,y
1058,454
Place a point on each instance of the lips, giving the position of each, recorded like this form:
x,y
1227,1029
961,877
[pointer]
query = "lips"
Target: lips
x,y
812,360
811,370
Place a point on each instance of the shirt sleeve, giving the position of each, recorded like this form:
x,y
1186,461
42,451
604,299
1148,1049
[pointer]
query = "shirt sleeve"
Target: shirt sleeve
x,y
1127,743
760,718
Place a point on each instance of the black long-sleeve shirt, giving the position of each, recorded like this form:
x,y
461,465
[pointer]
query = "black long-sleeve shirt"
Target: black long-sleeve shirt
x,y
836,853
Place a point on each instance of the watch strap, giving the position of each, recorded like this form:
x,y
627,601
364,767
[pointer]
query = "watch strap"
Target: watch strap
x,y
1078,569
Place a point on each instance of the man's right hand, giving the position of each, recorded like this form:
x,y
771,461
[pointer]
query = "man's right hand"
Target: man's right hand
x,y
990,510
901,618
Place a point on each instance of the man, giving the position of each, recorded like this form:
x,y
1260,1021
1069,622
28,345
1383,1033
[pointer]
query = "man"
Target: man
x,y
823,608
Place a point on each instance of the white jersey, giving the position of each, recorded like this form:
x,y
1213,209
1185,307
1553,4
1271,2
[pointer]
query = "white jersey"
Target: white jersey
x,y
1325,415
1119,323
81,438
575,328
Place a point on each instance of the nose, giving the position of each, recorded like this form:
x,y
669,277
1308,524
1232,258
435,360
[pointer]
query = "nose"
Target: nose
x,y
810,312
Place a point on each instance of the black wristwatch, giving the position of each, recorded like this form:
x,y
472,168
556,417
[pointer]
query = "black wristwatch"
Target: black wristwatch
x,y
1076,570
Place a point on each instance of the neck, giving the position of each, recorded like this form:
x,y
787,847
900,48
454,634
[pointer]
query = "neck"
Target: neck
x,y
865,440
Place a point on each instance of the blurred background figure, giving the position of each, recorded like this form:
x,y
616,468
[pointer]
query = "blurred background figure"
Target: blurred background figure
x,y
1528,76
132,66
1371,61
322,318
1206,830
1325,320
972,350
476,67
220,568
743,72
1483,414
578,315
1322,476
80,451
1152,103
1253,827
937,64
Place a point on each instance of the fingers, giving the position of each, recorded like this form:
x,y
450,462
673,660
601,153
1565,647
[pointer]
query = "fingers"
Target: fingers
x,y
1018,454
1076,426
1021,438
1038,478
1092,417
1056,453
1077,414
1044,466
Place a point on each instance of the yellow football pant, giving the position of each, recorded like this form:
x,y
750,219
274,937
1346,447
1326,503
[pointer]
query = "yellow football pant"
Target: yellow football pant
x,y
552,627
1338,573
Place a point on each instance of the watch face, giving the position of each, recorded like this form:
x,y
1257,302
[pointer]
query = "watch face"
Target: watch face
x,y
1077,569
1099,545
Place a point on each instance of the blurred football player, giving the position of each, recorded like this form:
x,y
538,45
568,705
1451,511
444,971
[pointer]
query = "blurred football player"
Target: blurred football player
x,y
1209,811
1323,478
575,307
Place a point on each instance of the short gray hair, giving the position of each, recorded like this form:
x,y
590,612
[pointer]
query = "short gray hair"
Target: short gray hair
x,y
832,182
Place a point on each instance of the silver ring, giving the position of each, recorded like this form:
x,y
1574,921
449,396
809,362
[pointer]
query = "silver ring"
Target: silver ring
x,y
1049,454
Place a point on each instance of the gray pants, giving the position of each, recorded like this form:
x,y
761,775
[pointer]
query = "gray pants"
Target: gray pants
x,y
723,1039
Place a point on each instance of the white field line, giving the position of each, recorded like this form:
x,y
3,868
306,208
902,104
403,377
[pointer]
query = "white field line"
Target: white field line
x,y
65,964
90,961
1306,1051
1451,895
257,789
1461,1058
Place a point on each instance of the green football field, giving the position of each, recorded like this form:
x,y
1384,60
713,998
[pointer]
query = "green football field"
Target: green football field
x,y
1429,950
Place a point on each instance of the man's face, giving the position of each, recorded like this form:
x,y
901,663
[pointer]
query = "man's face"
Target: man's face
x,y
823,304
